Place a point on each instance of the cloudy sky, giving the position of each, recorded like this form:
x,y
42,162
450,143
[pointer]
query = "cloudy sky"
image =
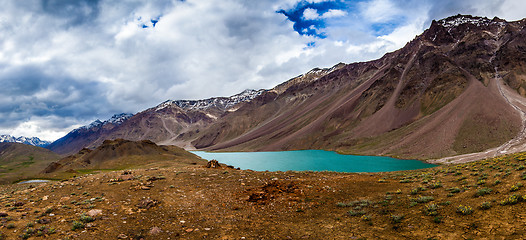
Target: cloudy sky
x,y
65,63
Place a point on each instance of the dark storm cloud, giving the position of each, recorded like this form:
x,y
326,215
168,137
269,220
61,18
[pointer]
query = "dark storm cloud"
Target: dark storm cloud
x,y
21,81
29,91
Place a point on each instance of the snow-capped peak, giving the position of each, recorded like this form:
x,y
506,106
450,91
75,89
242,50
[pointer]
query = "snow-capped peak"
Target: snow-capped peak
x,y
223,103
119,118
34,141
116,119
458,20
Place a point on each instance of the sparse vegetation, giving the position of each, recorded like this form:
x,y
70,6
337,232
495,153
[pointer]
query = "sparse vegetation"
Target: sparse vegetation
x,y
485,205
464,210
77,225
482,192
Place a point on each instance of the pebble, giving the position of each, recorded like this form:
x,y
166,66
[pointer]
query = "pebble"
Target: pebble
x,y
155,231
122,236
94,212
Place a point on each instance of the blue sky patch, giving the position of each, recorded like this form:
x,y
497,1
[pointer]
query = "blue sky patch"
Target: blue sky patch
x,y
311,27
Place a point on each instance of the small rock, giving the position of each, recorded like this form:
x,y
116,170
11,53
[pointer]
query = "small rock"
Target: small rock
x,y
213,164
94,212
145,188
122,236
125,177
155,231
44,221
147,203
44,198
207,229
189,230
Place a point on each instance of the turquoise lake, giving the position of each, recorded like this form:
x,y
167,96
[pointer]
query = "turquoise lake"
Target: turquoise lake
x,y
311,160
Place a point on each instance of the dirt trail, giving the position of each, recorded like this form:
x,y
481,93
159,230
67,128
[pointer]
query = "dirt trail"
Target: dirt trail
x,y
517,144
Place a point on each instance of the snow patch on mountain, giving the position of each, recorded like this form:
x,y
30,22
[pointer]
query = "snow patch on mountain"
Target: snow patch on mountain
x,y
116,119
34,141
458,20
223,103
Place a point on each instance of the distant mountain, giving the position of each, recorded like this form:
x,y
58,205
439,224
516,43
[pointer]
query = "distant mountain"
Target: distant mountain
x,y
34,141
123,154
76,139
457,88
164,124
220,103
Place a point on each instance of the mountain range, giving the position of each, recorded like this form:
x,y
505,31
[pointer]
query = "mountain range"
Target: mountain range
x,y
455,89
34,141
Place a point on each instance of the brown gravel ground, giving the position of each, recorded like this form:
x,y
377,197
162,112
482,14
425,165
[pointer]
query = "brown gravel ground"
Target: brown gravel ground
x,y
200,203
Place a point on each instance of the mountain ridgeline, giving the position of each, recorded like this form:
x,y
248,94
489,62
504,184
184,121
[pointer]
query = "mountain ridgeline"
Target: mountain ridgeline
x,y
33,141
454,89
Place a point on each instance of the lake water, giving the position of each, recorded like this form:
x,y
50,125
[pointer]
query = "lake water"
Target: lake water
x,y
311,160
34,181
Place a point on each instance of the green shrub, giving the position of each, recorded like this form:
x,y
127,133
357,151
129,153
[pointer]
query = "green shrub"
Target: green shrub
x,y
85,218
358,213
425,199
77,225
464,210
431,209
515,187
436,185
396,218
485,205
512,199
482,192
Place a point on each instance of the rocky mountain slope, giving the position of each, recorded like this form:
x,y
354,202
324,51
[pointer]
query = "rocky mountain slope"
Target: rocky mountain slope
x,y
163,124
33,141
20,161
453,90
445,93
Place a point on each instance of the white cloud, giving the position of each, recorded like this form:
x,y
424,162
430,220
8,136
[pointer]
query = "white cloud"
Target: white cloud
x,y
334,13
379,10
59,69
43,127
310,14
